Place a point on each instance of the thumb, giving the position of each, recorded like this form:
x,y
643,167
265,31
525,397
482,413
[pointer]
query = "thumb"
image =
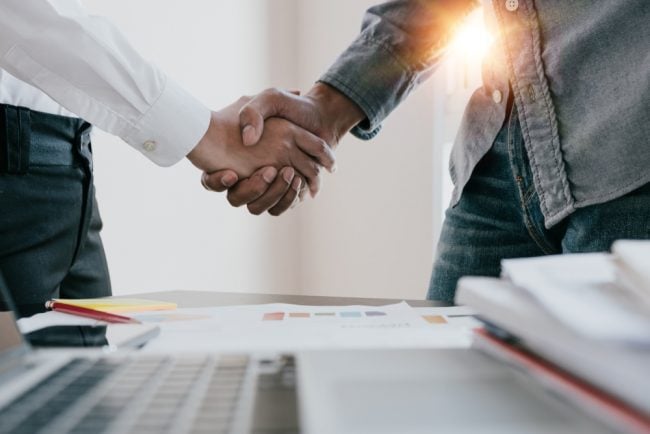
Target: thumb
x,y
268,104
251,121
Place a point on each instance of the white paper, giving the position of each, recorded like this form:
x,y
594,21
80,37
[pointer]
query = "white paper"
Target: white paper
x,y
243,328
580,291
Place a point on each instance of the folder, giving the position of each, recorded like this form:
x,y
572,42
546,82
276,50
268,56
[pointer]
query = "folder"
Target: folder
x,y
116,305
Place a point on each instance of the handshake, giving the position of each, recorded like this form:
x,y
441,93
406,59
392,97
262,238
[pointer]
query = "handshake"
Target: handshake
x,y
269,150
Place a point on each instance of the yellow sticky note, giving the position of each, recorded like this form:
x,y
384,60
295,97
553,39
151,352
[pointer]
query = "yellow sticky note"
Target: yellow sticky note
x,y
115,305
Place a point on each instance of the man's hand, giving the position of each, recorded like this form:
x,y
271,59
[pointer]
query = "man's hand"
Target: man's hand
x,y
282,144
263,191
324,111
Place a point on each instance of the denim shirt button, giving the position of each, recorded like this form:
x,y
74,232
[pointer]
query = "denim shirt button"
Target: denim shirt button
x,y
512,5
497,96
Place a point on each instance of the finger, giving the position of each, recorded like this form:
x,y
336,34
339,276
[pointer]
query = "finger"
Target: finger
x,y
250,189
304,189
275,193
219,181
289,200
315,147
308,168
294,91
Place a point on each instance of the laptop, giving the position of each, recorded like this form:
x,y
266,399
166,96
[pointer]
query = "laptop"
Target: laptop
x,y
418,391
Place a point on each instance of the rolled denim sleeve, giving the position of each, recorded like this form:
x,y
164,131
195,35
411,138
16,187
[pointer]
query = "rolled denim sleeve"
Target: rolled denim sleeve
x,y
400,43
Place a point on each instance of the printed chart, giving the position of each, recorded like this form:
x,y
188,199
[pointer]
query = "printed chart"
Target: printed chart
x,y
281,316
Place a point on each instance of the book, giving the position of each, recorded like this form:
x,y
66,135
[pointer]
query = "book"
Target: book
x,y
599,404
616,368
580,291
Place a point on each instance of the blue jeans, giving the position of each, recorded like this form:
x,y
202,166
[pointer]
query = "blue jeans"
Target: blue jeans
x,y
499,217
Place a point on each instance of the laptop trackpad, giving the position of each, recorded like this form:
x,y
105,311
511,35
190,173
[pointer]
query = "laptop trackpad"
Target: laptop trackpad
x,y
459,391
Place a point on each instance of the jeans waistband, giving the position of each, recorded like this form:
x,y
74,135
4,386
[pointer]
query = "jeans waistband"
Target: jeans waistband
x,y
31,138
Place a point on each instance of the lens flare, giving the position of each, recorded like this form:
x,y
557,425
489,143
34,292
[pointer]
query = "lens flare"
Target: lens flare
x,y
472,39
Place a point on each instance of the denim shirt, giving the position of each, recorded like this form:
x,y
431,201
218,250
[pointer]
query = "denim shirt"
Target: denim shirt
x,y
579,72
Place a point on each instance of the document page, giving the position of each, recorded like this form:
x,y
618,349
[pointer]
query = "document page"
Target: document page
x,y
286,327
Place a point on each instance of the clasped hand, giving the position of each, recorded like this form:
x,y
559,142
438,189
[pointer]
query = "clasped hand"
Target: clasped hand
x,y
252,141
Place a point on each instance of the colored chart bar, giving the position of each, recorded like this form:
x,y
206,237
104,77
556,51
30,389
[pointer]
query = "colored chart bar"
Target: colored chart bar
x,y
281,316
350,314
375,313
273,316
435,319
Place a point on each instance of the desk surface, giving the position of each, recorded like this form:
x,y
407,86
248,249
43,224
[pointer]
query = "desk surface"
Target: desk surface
x,y
206,298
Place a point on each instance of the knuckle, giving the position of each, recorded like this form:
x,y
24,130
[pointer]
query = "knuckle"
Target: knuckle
x,y
324,152
258,189
272,92
316,169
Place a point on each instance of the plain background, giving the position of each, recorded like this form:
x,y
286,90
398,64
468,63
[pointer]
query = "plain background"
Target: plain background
x,y
372,230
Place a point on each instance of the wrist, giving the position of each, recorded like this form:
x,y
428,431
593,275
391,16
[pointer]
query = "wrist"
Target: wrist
x,y
210,149
339,113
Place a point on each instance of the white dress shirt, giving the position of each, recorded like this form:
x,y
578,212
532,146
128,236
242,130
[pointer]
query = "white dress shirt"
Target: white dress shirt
x,y
56,58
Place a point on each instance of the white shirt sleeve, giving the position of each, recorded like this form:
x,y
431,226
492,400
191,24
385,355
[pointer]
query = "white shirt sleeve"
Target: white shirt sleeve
x,y
85,64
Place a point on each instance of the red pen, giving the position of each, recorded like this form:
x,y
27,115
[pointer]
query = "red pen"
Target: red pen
x,y
89,313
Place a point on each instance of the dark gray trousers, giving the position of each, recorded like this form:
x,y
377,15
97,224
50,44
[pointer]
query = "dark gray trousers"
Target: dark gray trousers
x,y
49,222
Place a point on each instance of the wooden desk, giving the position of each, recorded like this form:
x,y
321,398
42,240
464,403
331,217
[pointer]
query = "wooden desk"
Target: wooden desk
x,y
206,298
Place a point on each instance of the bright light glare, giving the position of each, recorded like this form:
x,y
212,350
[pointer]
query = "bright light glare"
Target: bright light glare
x,y
472,39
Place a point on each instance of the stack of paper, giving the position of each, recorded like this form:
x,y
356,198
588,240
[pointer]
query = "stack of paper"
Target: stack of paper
x,y
632,261
568,322
581,291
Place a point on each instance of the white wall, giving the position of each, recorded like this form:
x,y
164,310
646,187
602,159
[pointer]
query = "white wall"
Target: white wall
x,y
370,233
162,230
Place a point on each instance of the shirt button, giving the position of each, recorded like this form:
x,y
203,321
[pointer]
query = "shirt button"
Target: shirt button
x,y
497,96
149,146
512,5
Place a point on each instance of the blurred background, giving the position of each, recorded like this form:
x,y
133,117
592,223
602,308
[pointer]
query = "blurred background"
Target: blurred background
x,y
373,229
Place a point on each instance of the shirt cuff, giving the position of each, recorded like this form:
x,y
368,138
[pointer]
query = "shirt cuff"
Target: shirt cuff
x,y
372,76
171,128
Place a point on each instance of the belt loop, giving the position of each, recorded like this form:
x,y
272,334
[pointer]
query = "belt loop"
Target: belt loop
x,y
83,145
15,137
82,140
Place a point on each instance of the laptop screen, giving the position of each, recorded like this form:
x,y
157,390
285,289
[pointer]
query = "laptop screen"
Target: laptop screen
x,y
10,337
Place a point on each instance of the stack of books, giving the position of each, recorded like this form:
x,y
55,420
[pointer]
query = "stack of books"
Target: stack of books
x,y
578,323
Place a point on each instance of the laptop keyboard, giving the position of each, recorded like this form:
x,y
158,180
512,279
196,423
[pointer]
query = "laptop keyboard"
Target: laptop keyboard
x,y
139,395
